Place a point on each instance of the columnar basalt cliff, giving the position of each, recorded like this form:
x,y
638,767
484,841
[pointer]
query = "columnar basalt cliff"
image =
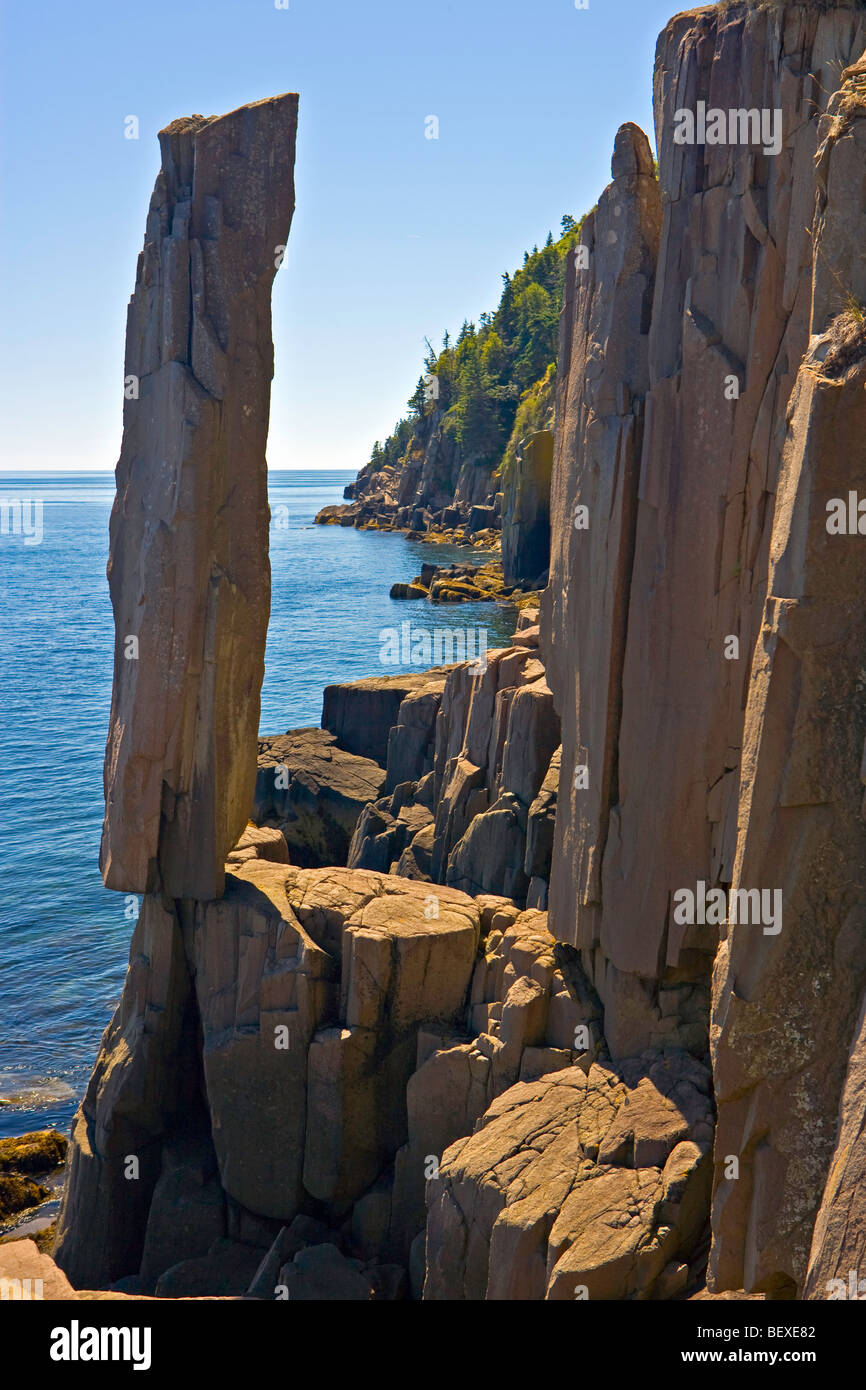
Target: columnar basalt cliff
x,y
579,1011
188,572
655,608
786,1004
602,385
680,566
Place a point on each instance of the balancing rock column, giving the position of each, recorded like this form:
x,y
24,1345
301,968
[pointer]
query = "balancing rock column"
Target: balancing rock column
x,y
188,568
190,587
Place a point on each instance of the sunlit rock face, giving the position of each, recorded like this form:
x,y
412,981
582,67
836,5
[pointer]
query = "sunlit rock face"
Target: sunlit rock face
x,y
188,567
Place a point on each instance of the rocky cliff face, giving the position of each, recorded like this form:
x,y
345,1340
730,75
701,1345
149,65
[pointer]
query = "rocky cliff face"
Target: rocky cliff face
x,y
434,483
587,997
785,1005
702,543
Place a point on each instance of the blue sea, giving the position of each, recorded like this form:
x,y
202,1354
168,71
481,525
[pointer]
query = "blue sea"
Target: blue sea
x,y
64,938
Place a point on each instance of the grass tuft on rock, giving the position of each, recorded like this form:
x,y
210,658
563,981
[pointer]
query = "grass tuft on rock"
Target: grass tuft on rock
x,y
847,334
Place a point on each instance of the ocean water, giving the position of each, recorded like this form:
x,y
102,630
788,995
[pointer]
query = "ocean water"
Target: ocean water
x,y
64,938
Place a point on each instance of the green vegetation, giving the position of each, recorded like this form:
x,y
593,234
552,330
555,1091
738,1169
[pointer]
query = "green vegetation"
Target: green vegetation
x,y
497,379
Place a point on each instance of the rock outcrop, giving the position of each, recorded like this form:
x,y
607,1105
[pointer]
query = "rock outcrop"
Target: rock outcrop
x,y
779,1050
313,791
702,542
257,1064
526,518
578,1185
602,384
779,1066
25,1163
839,1237
407,1073
188,570
468,755
655,703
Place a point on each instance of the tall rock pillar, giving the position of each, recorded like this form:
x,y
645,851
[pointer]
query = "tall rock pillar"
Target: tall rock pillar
x,y
602,381
188,567
190,587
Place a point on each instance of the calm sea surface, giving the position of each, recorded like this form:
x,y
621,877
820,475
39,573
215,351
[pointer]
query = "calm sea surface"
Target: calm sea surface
x,y
63,937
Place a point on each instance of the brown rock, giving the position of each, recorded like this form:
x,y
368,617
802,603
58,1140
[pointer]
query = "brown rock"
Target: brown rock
x,y
603,379
522,1209
779,1050
145,1075
362,713
731,304
225,1270
188,569
839,1237
314,792
260,842
526,512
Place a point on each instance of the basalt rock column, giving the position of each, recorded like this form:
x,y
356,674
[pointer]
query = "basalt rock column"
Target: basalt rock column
x,y
188,567
730,324
602,382
786,1001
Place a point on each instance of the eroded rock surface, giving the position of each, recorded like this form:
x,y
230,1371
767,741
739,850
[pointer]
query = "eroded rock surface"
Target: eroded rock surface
x,y
575,1185
313,791
188,569
673,561
285,1015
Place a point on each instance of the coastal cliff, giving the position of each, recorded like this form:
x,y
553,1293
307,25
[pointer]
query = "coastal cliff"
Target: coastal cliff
x,y
541,974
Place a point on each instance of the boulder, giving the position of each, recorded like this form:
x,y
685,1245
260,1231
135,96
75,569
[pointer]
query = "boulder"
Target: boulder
x,y
321,1273
260,842
226,1270
488,858
416,861
314,792
23,1161
481,518
527,1208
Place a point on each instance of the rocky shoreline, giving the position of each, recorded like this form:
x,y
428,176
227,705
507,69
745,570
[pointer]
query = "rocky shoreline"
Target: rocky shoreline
x,y
539,974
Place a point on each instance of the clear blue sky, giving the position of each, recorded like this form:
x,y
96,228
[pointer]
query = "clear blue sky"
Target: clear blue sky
x,y
394,237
